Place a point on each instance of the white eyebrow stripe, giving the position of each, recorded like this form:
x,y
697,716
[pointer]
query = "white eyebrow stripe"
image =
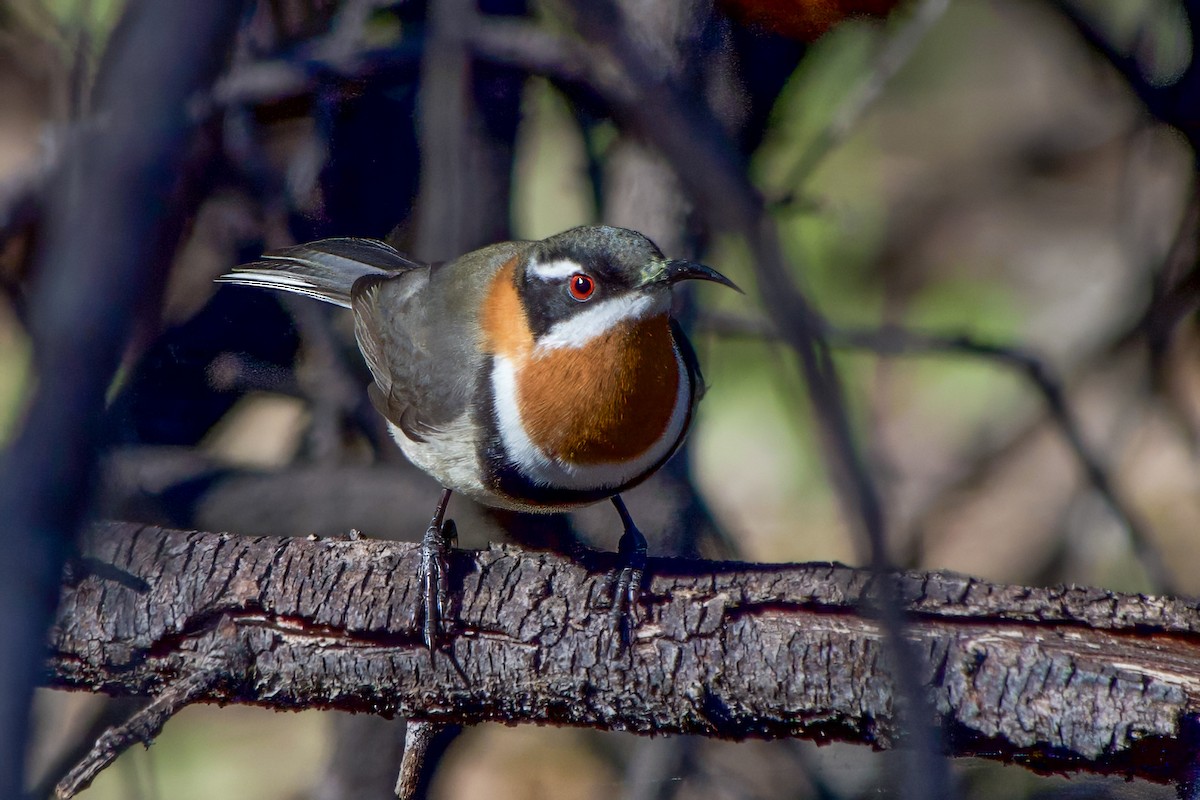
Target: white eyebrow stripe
x,y
555,270
583,326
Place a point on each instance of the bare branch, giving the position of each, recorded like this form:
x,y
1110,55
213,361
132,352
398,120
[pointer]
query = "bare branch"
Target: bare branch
x,y
892,340
468,113
147,723
108,713
1054,679
424,744
21,197
537,50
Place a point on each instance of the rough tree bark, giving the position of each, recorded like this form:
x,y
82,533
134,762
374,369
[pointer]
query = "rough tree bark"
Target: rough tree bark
x,y
1054,679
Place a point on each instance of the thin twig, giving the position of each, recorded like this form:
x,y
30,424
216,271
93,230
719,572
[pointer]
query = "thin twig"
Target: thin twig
x,y
891,340
141,727
424,745
228,657
110,711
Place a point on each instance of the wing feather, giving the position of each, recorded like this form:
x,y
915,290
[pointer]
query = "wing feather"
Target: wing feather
x,y
324,270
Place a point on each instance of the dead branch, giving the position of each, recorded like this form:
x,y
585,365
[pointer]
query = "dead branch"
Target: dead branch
x,y
148,722
1054,679
424,745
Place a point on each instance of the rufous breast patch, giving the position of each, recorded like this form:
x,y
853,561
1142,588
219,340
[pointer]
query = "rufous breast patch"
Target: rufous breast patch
x,y
608,401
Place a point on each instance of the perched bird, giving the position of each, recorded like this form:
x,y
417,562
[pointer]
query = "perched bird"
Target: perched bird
x,y
534,376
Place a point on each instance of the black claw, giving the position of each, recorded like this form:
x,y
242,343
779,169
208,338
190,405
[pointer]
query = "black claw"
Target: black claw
x,y
440,537
435,548
627,588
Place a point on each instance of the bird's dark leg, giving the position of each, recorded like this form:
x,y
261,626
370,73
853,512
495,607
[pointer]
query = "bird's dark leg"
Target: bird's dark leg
x,y
435,547
632,550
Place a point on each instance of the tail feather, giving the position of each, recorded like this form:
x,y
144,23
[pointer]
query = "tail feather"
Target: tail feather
x,y
324,270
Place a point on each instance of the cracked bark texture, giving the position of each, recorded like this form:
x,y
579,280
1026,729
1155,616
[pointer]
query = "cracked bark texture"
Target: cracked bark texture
x,y
1055,679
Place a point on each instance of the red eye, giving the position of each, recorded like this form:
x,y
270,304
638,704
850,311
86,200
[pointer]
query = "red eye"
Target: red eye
x,y
581,286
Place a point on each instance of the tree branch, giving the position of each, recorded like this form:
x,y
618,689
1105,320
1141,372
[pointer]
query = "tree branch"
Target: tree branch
x,y
424,745
1054,679
896,51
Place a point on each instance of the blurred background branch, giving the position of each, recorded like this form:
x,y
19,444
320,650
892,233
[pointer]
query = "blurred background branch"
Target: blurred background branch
x,y
114,213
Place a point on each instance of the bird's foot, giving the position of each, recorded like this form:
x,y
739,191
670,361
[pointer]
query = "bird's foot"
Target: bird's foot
x,y
440,538
627,587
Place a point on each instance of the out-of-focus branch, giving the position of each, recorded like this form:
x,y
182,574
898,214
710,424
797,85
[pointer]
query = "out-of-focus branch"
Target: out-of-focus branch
x,y
1177,295
894,340
1054,679
469,110
23,195
1174,102
537,50
114,217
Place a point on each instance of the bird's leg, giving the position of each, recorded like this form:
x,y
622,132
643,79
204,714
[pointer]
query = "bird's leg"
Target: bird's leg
x,y
439,538
632,550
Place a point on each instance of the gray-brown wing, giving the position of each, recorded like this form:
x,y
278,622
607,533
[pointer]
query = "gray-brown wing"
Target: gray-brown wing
x,y
418,387
419,331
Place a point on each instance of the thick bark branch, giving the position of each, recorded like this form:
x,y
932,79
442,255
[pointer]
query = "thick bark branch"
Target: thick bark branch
x,y
1055,679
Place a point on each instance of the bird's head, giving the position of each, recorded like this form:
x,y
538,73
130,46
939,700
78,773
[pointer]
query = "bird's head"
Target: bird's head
x,y
581,283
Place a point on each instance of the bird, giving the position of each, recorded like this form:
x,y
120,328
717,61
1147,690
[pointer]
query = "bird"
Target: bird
x,y
537,376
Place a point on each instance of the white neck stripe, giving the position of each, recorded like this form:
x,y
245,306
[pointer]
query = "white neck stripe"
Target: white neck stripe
x,y
585,325
555,270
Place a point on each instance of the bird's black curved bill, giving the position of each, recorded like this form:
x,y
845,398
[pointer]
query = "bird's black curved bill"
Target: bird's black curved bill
x,y
691,271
